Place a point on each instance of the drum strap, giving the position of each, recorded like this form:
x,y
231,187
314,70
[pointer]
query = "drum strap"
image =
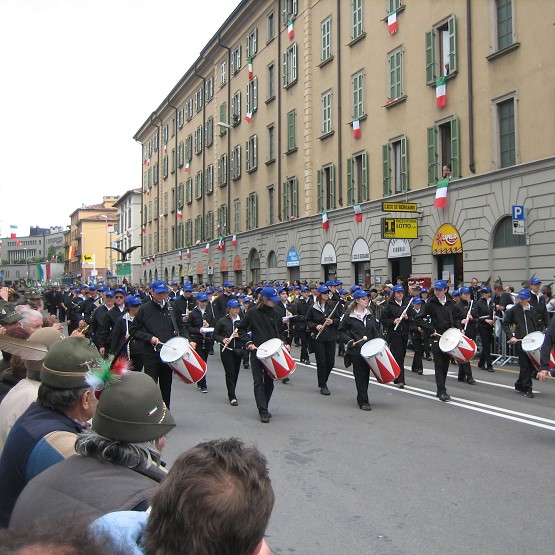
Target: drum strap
x,y
172,316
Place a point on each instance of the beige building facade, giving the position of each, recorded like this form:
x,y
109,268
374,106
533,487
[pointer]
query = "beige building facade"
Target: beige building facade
x,y
296,108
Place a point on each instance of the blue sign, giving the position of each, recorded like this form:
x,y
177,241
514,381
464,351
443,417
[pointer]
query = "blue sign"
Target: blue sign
x,y
293,258
518,212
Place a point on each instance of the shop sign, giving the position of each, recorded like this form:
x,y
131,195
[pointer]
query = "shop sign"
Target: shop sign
x,y
399,228
447,241
293,258
210,269
399,206
361,251
328,255
398,248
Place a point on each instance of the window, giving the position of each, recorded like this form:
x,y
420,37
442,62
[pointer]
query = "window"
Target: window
x,y
235,163
270,27
272,260
149,210
271,143
271,88
291,131
180,154
252,212
155,243
290,199
395,167
357,92
179,235
180,117
504,23
209,131
235,60
173,127
174,161
209,179
443,149
357,28
145,181
252,43
165,134
155,173
252,95
156,212
165,166
222,170
289,10
189,190
326,188
180,195
198,139
209,89
326,113
222,220
507,135
395,65
198,100
290,65
236,215
165,212
189,109
223,118
149,179
166,240
271,205
441,51
223,73
393,5
325,27
198,229
209,226
251,153
357,178
189,232
235,110
503,235
198,185
189,147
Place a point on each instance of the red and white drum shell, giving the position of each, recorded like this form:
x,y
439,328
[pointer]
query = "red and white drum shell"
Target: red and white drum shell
x,y
276,359
532,344
455,344
377,355
178,354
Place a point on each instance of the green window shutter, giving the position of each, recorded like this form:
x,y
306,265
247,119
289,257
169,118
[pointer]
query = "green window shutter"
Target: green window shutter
x,y
248,214
248,97
432,155
255,210
404,165
452,28
386,170
254,102
291,142
350,182
332,186
320,192
285,209
285,69
455,149
247,156
364,183
430,58
295,200
284,15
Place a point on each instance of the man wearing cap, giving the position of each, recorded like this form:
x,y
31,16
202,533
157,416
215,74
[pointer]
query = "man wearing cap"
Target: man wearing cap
x,y
157,322
109,321
185,302
9,318
45,433
483,312
416,331
303,306
524,318
467,324
74,313
439,318
174,292
220,304
537,301
264,323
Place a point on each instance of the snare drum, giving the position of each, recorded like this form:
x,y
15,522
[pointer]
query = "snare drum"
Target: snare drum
x,y
183,359
276,359
531,345
377,355
455,344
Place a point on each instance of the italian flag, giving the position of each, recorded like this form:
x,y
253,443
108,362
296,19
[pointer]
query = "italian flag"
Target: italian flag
x,y
250,68
441,92
290,29
180,255
148,163
13,231
43,272
179,213
356,129
143,229
358,212
234,241
187,166
188,253
248,117
165,150
221,245
325,221
441,194
207,247
392,25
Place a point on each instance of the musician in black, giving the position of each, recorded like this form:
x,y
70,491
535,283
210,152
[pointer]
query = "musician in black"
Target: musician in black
x,y
303,305
220,304
467,324
121,332
358,322
108,323
96,318
483,312
287,311
184,303
231,347
416,333
322,321
537,301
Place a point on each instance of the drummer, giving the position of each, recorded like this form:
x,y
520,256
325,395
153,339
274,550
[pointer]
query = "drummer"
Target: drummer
x,y
358,322
466,323
547,348
264,323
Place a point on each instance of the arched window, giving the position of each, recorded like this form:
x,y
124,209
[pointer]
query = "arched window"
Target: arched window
x,y
272,260
503,235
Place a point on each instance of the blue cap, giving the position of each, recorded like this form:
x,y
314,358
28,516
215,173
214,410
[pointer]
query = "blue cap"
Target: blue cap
x,y
109,294
159,286
296,287
304,288
123,292
342,291
102,288
417,300
524,294
92,287
338,282
455,293
233,303
209,291
247,300
270,293
355,287
423,290
257,290
398,289
202,297
175,283
282,288
464,290
323,289
441,284
485,289
240,295
535,281
330,283
359,294
132,301
219,289
83,287
228,284
72,288
188,288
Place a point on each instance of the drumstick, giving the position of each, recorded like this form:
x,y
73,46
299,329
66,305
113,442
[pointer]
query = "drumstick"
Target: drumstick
x,y
168,346
363,338
402,314
468,314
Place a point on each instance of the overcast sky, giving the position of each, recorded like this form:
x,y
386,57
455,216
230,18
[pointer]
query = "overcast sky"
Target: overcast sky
x,y
79,77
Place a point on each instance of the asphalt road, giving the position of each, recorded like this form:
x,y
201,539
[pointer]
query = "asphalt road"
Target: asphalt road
x,y
412,476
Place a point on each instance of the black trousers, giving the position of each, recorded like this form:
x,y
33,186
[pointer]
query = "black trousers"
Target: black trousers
x,y
441,366
203,352
231,363
162,374
417,365
303,336
465,371
524,381
398,345
325,359
137,361
361,372
263,383
486,334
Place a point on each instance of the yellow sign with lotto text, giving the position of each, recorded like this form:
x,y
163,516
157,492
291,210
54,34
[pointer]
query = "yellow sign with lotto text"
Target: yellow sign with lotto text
x,y
399,228
399,206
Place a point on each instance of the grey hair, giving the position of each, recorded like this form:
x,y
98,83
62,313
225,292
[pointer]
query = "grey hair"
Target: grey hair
x,y
27,315
139,456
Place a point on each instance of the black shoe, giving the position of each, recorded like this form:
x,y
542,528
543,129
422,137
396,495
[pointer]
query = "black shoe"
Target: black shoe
x,y
470,381
481,366
461,380
204,389
297,344
519,388
529,394
324,390
490,369
264,416
443,396
365,406
285,380
245,365
428,357
341,354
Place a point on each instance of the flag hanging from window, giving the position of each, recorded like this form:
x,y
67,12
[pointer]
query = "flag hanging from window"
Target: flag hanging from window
x,y
144,162
179,213
187,166
392,25
325,221
290,29
250,68
441,193
143,262
148,163
165,150
143,229
441,92
356,129
180,255
188,253
234,241
148,192
207,247
248,117
13,231
221,244
358,212
71,252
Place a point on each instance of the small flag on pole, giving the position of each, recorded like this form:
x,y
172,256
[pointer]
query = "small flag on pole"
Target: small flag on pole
x,y
179,213
207,247
325,221
441,92
250,68
234,241
358,212
356,129
441,193
392,25
221,244
290,29
13,231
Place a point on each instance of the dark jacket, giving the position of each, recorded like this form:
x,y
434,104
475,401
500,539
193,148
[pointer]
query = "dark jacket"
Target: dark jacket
x,y
264,323
352,329
223,329
108,323
439,318
315,317
220,305
482,311
390,313
121,328
183,305
194,322
460,313
525,322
